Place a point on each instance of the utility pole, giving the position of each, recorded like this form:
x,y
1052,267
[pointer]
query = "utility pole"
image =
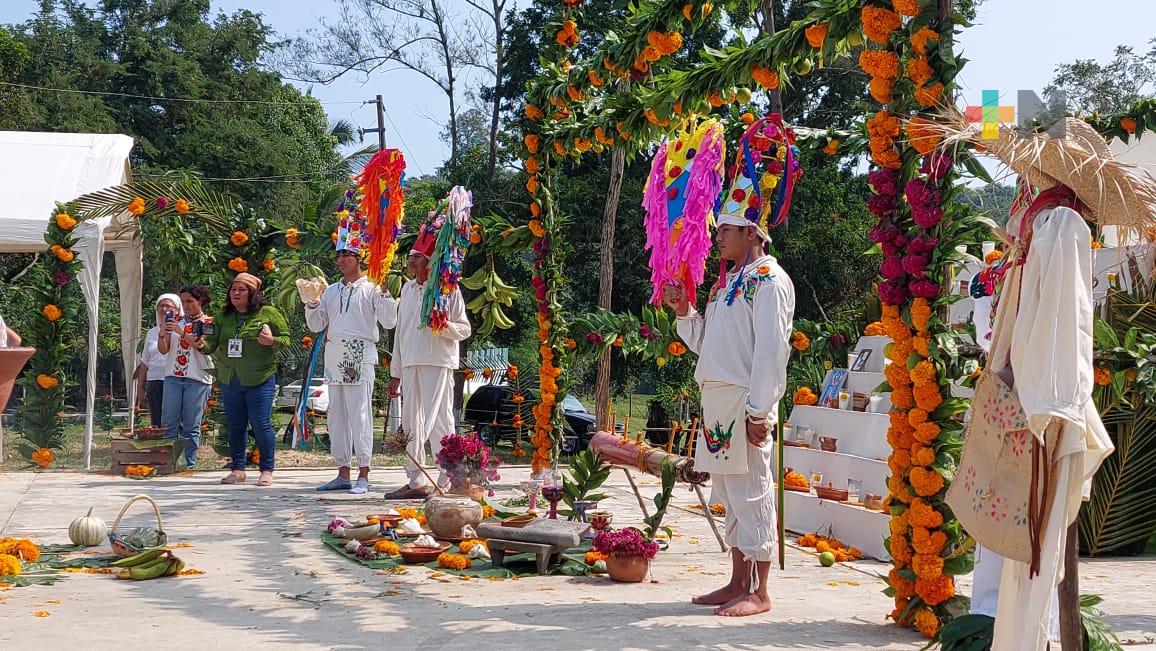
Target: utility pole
x,y
380,130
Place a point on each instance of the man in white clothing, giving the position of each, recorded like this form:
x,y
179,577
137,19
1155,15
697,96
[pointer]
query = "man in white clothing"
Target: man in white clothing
x,y
743,343
422,367
349,312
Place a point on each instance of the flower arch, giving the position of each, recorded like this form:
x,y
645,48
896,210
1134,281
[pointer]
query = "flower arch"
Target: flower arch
x,y
44,379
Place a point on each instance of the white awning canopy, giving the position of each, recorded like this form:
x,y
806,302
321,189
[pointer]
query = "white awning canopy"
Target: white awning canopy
x,y
39,170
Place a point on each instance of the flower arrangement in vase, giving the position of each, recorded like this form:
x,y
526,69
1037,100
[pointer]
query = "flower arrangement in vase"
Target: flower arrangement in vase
x,y
471,465
628,553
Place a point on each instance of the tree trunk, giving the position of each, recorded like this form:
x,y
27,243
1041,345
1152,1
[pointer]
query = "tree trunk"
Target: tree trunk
x,y
606,279
775,95
1071,629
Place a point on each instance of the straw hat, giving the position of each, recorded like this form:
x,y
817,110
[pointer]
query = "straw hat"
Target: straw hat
x,y
1073,154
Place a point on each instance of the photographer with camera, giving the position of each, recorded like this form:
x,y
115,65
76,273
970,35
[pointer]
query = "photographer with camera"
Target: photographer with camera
x,y
188,377
150,373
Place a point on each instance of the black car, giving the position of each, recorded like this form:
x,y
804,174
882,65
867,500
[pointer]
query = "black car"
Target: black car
x,y
491,411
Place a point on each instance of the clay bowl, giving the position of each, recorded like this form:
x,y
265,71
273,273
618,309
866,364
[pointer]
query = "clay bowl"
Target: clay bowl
x,y
388,520
833,494
411,553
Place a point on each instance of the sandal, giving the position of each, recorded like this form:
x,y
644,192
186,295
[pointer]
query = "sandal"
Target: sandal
x,y
233,478
266,479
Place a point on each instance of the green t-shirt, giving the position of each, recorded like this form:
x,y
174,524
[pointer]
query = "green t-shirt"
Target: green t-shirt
x,y
256,362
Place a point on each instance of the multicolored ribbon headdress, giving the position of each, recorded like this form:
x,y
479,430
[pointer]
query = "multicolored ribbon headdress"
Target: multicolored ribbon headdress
x,y
685,179
762,177
382,204
451,224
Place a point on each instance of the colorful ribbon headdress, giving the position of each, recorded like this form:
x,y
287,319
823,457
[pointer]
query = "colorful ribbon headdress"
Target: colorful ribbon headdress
x,y
451,224
762,176
685,179
382,206
352,229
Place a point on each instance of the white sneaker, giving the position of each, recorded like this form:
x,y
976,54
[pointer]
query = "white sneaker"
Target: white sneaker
x,y
360,487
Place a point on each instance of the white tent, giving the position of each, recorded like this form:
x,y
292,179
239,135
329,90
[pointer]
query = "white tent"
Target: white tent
x,y
38,170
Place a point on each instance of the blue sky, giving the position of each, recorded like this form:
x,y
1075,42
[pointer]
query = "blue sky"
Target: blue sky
x,y
1015,44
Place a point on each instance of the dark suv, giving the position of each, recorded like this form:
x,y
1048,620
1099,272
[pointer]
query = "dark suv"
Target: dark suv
x,y
491,411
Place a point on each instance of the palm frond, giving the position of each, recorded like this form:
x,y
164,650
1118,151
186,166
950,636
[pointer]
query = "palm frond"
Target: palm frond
x,y
344,131
210,207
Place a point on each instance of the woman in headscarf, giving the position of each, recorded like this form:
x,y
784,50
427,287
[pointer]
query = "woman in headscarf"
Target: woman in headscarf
x,y
150,372
245,340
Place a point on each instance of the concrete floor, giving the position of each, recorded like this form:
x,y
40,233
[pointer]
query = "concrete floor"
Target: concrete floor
x,y
259,548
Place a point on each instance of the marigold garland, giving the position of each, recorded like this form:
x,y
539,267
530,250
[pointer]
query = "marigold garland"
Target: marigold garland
x,y
921,39
907,8
765,77
65,222
879,23
816,34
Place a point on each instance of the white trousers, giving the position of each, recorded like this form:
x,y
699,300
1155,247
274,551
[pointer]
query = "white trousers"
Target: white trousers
x,y
427,414
985,590
750,524
351,421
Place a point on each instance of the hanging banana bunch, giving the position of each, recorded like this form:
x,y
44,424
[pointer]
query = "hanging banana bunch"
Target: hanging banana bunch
x,y
493,294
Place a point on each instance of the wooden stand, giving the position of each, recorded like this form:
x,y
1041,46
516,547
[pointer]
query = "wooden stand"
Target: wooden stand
x,y
545,555
166,455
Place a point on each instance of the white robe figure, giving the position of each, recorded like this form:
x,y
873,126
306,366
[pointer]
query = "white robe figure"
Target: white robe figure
x,y
350,314
1051,358
742,370
425,362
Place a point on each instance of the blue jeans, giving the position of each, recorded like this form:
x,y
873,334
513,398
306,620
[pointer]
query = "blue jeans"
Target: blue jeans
x,y
183,410
247,407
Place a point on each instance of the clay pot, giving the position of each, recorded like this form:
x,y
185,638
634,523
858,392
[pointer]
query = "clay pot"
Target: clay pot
x,y
627,569
448,514
466,488
11,363
828,443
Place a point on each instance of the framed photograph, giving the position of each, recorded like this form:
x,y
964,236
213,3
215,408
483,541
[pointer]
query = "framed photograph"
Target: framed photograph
x,y
832,385
861,360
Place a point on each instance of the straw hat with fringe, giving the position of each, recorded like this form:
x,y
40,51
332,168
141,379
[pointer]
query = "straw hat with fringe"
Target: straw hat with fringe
x,y
1073,154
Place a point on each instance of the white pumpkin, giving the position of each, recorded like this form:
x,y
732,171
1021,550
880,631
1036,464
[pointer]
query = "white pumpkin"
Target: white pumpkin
x,y
87,530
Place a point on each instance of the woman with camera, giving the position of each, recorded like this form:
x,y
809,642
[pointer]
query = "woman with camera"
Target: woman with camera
x,y
150,372
188,371
245,340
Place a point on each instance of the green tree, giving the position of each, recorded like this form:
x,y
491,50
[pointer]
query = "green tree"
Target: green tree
x,y
1106,88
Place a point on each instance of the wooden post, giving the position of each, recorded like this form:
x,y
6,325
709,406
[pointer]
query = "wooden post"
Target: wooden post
x,y
1071,628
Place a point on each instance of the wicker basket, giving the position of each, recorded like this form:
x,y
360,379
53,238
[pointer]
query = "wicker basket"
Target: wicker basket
x,y
129,544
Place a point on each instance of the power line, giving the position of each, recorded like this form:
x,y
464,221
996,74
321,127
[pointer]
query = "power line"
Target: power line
x,y
403,142
192,100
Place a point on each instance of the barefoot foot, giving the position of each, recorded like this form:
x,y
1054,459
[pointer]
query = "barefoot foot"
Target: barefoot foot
x,y
744,606
719,597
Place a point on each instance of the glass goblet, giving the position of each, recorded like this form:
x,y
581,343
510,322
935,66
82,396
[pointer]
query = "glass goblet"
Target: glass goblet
x,y
530,488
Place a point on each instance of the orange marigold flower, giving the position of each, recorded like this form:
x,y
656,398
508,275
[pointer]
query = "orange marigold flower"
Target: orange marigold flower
x,y
181,206
805,396
929,95
61,253
926,433
25,549
574,93
906,7
800,341
927,566
900,551
537,229
1128,124
532,142
922,135
923,373
922,514
533,112
816,34
922,345
136,207
532,164
879,63
676,348
917,417
568,35
1103,376
65,221
925,481
879,23
454,561
650,54
43,457
238,265
898,461
831,148
921,38
535,209
927,622
904,588
47,381
935,591
919,71
927,396
766,77
902,398
665,43
881,89
920,314
51,312
239,238
926,541
874,329
532,185
921,455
